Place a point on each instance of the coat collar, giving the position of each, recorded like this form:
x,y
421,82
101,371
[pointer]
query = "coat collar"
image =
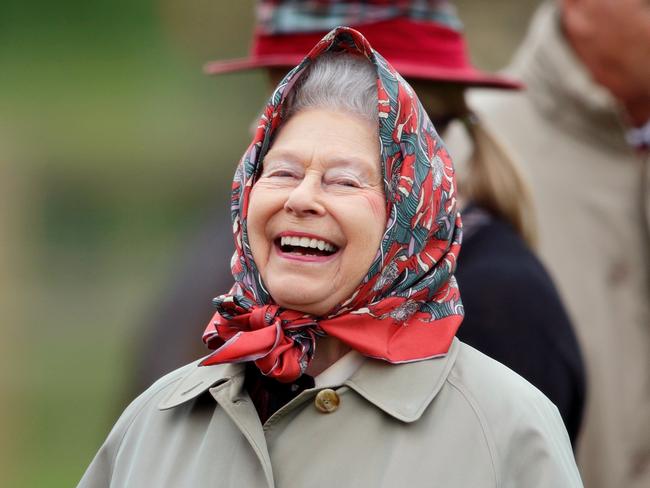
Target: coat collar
x,y
563,88
403,391
196,380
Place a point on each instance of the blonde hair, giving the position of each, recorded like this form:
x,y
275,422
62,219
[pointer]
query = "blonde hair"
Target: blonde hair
x,y
494,181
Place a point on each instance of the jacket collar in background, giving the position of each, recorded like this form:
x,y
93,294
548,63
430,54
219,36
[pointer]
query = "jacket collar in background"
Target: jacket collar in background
x,y
567,93
403,391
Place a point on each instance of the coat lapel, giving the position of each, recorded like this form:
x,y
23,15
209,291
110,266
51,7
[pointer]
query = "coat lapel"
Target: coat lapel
x,y
403,391
197,381
225,384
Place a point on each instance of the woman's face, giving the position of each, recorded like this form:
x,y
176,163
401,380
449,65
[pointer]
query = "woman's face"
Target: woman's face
x,y
317,213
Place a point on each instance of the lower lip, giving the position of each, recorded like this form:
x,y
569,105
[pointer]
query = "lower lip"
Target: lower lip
x,y
305,258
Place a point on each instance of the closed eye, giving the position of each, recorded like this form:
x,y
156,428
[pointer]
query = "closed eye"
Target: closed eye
x,y
348,183
343,182
280,174
343,177
281,169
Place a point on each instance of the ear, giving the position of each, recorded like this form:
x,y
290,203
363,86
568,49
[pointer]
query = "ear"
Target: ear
x,y
567,8
567,4
573,16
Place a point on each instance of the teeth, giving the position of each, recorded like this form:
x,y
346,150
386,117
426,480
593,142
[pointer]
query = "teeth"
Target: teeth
x,y
307,242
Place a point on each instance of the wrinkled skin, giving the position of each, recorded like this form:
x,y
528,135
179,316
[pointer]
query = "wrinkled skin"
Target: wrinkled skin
x,y
321,177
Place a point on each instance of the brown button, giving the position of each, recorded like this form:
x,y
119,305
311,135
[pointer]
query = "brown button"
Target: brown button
x,y
327,400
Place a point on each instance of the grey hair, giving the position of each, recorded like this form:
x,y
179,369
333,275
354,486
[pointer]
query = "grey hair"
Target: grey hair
x,y
336,81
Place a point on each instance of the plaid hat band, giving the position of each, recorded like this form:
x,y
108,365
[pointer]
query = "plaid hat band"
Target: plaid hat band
x,y
301,16
420,38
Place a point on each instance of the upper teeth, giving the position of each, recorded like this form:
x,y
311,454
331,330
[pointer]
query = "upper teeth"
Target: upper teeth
x,y
306,242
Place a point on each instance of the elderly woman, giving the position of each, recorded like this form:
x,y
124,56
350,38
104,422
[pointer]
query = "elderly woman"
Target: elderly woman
x,y
335,358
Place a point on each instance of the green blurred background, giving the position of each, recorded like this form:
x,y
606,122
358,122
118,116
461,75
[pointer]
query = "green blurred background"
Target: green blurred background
x,y
113,147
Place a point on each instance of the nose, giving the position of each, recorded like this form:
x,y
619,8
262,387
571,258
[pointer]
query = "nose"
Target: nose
x,y
305,199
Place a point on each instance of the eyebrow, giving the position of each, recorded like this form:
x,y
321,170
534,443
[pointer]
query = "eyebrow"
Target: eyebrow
x,y
334,161
284,156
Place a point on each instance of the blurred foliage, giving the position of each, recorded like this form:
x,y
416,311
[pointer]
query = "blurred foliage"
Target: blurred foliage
x,y
113,148
117,145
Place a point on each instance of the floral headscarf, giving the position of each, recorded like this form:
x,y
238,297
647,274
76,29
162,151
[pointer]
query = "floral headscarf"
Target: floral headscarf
x,y
407,307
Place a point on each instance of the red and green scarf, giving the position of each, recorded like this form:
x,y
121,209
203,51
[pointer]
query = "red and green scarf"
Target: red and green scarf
x,y
407,308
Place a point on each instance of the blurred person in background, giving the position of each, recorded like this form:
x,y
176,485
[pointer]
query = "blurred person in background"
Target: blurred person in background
x,y
336,361
582,132
514,314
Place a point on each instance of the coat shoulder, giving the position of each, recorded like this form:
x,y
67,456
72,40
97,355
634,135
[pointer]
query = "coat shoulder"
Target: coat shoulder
x,y
158,390
100,471
491,386
520,425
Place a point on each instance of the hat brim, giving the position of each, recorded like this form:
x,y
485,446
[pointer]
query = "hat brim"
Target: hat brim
x,y
468,76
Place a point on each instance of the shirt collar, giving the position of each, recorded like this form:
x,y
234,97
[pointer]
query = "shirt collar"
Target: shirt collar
x,y
639,137
403,391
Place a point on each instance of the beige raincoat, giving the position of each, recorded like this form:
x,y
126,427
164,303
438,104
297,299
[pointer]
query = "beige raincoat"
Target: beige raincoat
x,y
462,420
592,192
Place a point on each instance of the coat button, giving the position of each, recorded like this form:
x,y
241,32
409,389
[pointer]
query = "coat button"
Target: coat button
x,y
327,401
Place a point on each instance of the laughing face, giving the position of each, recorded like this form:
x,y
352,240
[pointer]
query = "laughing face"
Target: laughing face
x,y
317,213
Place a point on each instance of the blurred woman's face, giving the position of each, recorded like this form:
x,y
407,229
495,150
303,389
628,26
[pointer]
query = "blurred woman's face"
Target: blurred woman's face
x,y
317,213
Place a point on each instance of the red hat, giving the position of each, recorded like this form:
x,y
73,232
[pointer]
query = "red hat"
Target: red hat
x,y
421,39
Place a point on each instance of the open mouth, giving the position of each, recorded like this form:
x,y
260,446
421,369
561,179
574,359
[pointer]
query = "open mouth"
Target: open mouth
x,y
305,246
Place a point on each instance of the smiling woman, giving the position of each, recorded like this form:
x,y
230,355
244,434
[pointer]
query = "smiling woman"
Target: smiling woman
x,y
321,182
335,356
324,178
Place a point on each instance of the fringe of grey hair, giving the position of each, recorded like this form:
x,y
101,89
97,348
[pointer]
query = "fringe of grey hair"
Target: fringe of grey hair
x,y
337,81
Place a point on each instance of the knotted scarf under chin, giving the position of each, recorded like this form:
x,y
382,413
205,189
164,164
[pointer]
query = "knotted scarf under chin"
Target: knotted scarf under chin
x,y
282,342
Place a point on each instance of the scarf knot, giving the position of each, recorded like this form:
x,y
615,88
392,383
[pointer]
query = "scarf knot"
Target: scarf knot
x,y
280,342
264,316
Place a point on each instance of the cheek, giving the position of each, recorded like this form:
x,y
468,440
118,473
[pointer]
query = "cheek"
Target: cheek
x,y
258,215
253,217
262,203
377,204
365,217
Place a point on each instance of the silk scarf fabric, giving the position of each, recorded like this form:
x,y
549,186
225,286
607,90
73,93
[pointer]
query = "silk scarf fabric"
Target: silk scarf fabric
x,y
407,307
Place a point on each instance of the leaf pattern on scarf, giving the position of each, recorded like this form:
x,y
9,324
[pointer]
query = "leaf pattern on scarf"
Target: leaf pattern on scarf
x,y
410,281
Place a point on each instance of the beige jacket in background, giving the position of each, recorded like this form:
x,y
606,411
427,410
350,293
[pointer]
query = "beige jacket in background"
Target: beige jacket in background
x,y
463,420
592,194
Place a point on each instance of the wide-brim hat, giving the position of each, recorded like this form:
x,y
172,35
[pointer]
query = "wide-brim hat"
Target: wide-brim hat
x,y
422,40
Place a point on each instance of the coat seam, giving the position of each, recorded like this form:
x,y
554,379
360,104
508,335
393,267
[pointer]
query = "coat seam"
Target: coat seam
x,y
484,426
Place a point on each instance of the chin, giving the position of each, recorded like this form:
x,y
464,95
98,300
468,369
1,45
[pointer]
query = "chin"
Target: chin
x,y
298,296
